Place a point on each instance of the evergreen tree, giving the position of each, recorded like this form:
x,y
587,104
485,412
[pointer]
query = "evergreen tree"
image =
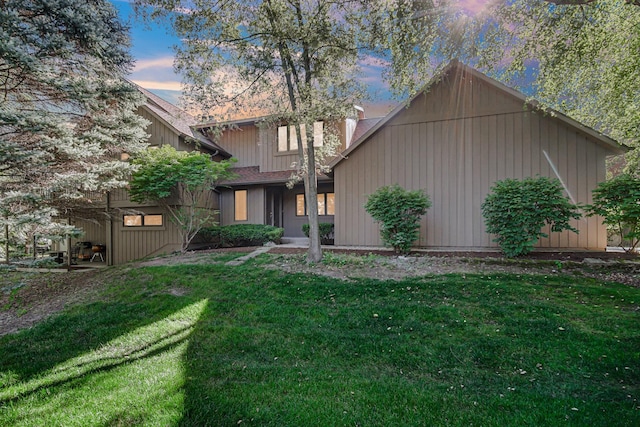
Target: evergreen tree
x,y
66,114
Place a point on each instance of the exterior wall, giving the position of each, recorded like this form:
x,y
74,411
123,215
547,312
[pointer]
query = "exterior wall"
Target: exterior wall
x,y
255,206
271,160
242,142
455,144
292,222
161,134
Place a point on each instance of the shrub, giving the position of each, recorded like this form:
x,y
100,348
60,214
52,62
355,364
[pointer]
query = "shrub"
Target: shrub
x,y
517,210
618,202
398,211
241,235
326,232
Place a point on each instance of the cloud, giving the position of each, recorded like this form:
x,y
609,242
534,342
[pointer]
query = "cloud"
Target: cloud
x,y
155,63
150,84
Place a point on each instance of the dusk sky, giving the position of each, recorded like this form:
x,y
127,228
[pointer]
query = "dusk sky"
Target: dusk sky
x,y
152,49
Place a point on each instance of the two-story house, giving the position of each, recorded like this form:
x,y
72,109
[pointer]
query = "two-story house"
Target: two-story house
x,y
454,139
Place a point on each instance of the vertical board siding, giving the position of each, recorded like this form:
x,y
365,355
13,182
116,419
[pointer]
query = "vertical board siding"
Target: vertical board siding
x,y
134,243
243,143
256,208
160,134
457,162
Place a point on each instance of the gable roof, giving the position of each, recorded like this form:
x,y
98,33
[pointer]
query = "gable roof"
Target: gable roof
x,y
179,121
456,65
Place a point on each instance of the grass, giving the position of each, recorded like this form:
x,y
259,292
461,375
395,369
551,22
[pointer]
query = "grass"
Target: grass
x,y
217,345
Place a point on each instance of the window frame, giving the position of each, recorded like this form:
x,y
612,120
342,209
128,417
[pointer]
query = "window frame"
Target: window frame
x,y
325,199
292,143
236,218
142,223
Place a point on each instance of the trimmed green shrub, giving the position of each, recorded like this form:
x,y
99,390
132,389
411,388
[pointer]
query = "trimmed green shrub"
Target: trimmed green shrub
x,y
326,232
398,211
516,211
241,235
618,202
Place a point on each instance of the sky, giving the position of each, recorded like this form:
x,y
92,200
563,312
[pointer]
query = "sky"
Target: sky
x,y
153,53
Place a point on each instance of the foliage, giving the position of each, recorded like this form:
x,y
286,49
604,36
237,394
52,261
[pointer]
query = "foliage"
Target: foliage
x,y
398,211
517,210
298,61
237,235
187,344
583,59
65,111
325,229
181,182
618,202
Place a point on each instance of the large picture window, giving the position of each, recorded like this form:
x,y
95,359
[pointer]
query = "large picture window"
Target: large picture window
x,y
326,204
240,203
288,140
150,220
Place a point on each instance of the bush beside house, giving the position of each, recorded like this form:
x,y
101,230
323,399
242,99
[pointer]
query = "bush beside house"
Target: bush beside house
x,y
240,235
398,211
326,232
517,210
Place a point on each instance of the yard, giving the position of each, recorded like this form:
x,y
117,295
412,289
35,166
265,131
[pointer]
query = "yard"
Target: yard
x,y
271,342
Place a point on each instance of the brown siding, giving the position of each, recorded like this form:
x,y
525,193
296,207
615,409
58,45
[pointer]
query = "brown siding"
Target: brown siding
x,y
160,134
457,160
138,242
270,159
242,142
292,222
255,206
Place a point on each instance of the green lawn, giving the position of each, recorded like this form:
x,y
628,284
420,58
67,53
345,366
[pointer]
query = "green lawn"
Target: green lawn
x,y
199,345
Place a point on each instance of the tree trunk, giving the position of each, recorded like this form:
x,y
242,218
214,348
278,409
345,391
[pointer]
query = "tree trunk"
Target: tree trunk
x,y
314,254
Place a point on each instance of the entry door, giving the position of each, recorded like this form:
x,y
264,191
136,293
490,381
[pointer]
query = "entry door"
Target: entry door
x,y
274,207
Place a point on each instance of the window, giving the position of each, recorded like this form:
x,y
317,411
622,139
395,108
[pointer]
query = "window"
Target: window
x,y
240,203
288,141
152,220
326,204
133,220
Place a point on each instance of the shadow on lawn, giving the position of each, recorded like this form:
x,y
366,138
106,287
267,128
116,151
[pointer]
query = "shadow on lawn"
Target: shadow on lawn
x,y
89,338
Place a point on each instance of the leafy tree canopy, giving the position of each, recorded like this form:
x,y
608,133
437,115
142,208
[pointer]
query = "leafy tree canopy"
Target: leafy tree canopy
x,y
583,56
66,114
182,183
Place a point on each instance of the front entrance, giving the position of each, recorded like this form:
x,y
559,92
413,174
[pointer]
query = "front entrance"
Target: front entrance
x,y
273,214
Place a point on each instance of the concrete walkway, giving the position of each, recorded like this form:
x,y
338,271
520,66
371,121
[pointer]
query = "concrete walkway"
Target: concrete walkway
x,y
247,257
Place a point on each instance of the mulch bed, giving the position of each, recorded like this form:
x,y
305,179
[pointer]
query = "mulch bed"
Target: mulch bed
x,y
575,256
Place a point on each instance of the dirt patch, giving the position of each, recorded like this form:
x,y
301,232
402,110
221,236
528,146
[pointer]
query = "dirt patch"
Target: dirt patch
x,y
26,299
608,266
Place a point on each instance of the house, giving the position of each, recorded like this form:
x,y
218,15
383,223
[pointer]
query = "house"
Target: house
x,y
454,139
266,156
129,230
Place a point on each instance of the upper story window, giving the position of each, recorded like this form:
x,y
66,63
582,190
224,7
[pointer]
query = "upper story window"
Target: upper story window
x,y
288,140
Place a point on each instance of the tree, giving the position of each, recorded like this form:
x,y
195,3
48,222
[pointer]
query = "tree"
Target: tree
x,y
582,55
398,211
516,210
618,202
182,183
66,114
297,60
